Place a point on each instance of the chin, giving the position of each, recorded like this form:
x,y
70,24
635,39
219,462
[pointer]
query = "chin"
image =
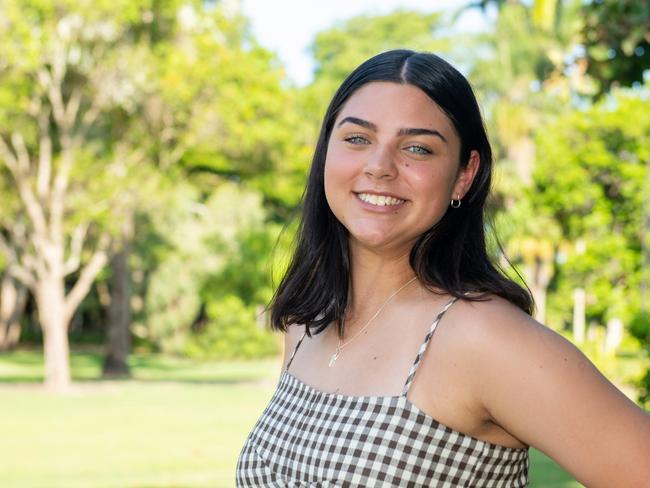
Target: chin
x,y
376,240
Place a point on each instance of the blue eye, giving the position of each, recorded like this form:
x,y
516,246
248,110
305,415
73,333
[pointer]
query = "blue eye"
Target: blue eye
x,y
356,140
415,149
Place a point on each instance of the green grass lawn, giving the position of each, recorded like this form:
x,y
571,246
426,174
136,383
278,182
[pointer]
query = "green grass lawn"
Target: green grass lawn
x,y
178,423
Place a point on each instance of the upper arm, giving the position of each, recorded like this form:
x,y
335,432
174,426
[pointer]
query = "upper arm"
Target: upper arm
x,y
543,390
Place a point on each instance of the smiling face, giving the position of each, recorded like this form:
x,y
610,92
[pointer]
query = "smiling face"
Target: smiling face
x,y
392,166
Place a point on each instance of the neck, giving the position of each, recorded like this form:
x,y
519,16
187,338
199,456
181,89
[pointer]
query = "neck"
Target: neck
x,y
374,277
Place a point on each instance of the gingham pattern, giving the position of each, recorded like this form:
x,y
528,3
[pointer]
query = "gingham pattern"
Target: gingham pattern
x,y
310,438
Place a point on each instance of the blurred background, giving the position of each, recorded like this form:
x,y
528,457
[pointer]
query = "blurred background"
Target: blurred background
x,y
153,154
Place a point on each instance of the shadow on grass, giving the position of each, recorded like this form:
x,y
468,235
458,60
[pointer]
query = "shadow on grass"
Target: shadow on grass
x,y
24,358
26,367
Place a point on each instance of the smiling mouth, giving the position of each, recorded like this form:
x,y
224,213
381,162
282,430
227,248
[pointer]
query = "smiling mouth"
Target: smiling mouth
x,y
379,200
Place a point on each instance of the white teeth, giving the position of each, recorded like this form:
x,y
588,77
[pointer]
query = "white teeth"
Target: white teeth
x,y
379,200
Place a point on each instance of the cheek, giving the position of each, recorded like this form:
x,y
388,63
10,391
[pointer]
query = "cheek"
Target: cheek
x,y
433,186
338,173
333,180
437,182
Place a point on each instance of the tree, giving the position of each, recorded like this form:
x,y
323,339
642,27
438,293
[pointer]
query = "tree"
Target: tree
x,y
233,118
67,92
13,296
617,42
201,248
232,123
590,175
518,72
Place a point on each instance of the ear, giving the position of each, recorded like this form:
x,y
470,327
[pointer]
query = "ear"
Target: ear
x,y
466,175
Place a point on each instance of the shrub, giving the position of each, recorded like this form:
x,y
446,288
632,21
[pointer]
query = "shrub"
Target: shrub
x,y
232,331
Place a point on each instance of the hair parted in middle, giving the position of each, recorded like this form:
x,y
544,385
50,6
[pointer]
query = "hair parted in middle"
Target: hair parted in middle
x,y
450,256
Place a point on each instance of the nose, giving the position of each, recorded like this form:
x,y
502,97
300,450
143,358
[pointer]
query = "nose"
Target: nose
x,y
381,164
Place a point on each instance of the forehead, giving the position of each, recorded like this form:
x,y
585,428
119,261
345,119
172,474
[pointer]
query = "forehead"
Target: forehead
x,y
393,105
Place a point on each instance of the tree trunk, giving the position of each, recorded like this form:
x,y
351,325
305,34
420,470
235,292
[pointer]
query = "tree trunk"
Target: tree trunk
x,y
13,296
118,336
539,272
51,309
613,335
522,152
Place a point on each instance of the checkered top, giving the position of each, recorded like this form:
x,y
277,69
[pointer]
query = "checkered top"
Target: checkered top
x,y
310,438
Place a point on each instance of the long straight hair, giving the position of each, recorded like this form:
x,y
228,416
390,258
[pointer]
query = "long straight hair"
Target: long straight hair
x,y
450,256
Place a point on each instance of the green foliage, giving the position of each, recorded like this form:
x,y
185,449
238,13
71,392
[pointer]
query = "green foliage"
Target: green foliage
x,y
517,53
233,330
247,270
233,117
182,101
200,239
616,40
85,49
640,329
211,277
589,176
201,134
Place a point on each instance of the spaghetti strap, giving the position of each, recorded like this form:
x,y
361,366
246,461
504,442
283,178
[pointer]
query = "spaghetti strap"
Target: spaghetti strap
x,y
423,347
295,350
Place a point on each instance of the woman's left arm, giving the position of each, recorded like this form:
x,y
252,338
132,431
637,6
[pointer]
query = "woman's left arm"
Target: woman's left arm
x,y
544,391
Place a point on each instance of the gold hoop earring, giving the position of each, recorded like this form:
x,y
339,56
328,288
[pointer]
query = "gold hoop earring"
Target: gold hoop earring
x,y
455,203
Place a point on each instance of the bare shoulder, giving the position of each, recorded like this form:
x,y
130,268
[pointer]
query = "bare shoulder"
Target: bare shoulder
x,y
504,338
493,329
540,388
493,316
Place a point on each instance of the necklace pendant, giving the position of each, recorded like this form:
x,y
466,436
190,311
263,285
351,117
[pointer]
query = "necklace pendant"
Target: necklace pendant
x,y
333,359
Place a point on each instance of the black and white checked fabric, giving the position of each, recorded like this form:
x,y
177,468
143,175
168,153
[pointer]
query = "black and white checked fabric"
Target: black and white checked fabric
x,y
310,438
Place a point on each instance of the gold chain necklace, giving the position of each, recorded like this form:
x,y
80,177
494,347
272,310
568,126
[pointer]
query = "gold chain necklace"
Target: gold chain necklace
x,y
340,346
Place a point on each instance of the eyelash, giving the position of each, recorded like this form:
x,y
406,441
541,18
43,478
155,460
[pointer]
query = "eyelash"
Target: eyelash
x,y
355,138
420,149
358,139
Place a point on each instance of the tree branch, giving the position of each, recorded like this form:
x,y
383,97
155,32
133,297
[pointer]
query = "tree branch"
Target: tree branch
x,y
57,196
8,251
23,275
68,145
86,278
16,252
76,245
91,115
53,82
8,157
72,108
44,156
21,152
32,264
34,210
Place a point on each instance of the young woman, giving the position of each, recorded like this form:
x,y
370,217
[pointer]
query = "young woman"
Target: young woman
x,y
391,249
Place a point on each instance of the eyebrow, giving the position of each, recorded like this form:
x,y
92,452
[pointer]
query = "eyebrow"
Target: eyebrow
x,y
401,132
357,121
421,132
